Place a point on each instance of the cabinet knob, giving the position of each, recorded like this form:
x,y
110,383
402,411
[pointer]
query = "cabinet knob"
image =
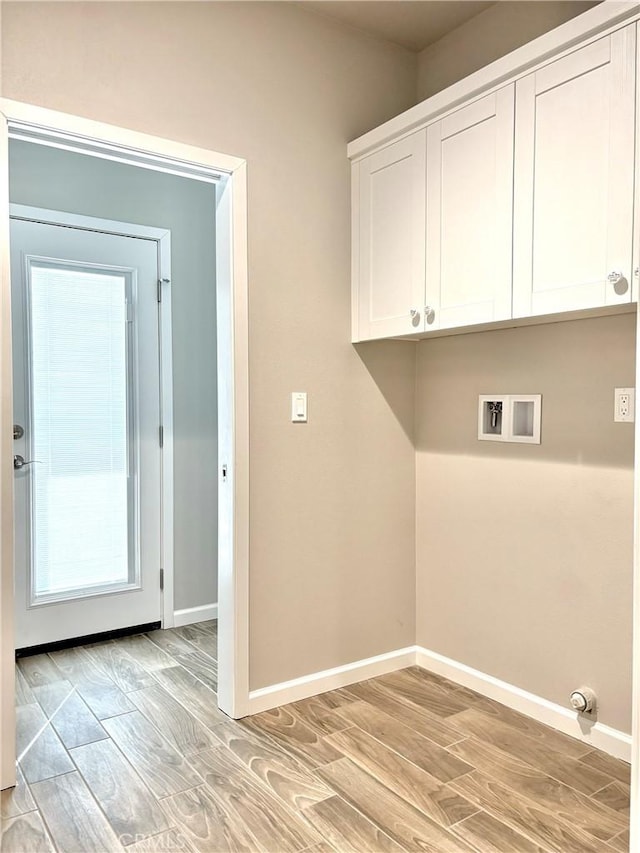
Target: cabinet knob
x,y
415,316
429,313
619,282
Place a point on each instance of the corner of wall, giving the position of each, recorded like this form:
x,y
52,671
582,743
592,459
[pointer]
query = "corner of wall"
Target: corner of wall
x,y
489,35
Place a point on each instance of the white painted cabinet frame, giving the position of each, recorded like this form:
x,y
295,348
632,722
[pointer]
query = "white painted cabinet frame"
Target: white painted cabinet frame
x,y
27,122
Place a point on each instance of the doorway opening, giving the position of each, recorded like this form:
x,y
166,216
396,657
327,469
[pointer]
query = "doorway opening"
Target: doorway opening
x,y
99,520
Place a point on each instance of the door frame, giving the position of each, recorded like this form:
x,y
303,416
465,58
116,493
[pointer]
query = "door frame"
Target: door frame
x,y
162,238
42,126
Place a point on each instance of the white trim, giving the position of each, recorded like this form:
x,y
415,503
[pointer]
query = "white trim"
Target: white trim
x,y
113,142
233,445
7,659
598,735
329,679
86,223
193,615
593,23
166,419
154,152
162,238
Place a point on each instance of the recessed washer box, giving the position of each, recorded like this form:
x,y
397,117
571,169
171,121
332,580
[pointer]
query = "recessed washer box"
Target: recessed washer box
x,y
509,417
492,409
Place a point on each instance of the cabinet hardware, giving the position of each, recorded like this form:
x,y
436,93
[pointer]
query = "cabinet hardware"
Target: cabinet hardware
x,y
619,282
429,313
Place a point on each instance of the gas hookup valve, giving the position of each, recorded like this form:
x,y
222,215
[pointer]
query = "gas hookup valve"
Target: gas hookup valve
x,y
584,700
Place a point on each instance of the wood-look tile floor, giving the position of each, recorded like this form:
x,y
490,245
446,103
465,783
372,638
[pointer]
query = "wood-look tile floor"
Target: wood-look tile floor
x,y
137,755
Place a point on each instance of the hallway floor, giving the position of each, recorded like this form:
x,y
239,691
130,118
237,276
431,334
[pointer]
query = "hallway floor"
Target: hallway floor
x,y
138,755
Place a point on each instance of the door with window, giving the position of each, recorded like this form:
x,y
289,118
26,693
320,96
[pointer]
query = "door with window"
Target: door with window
x,y
87,456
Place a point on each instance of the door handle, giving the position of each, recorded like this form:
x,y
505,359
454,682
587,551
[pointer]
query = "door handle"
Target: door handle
x,y
20,462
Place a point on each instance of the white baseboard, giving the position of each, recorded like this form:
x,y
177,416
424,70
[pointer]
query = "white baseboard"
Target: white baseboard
x,y
329,679
191,615
595,735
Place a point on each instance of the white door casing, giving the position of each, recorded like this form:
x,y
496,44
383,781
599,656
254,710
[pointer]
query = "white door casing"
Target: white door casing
x,y
83,262
25,121
574,172
470,213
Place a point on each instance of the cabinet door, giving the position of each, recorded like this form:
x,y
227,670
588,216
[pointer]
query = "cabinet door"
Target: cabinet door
x,y
574,168
389,208
470,213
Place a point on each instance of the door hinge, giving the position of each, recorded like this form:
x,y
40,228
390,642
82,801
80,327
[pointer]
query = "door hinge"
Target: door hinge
x,y
161,435
162,281
161,578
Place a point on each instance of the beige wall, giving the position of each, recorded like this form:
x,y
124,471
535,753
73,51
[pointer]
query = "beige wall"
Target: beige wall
x,y
524,552
332,574
493,33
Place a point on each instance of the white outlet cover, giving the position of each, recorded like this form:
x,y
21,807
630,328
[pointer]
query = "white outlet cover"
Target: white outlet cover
x,y
622,414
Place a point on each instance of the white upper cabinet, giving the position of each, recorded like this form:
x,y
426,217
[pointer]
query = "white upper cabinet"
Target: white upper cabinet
x,y
389,240
508,195
574,173
470,213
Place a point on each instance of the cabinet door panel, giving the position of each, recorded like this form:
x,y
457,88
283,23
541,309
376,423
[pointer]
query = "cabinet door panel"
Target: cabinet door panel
x,y
469,213
574,179
391,231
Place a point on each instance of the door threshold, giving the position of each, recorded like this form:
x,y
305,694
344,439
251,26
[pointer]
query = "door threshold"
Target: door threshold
x,y
43,648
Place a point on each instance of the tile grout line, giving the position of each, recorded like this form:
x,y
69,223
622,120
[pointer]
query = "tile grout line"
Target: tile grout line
x,y
529,799
177,663
541,770
600,790
507,821
433,743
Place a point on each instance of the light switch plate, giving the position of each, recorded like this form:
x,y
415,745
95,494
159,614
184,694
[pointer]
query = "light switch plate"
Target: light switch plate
x,y
298,407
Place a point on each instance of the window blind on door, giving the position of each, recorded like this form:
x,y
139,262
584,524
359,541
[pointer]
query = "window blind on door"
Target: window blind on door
x,y
80,422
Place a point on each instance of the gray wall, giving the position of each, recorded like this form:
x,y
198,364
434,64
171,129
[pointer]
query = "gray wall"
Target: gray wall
x,y
61,180
524,552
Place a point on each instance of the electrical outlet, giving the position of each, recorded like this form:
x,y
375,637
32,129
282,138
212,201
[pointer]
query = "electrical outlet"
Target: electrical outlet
x,y
625,405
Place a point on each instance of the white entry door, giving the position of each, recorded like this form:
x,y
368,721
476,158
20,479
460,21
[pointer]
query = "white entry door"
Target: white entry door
x,y
87,453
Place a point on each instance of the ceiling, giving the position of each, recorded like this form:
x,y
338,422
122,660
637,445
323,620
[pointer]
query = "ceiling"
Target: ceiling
x,y
414,24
